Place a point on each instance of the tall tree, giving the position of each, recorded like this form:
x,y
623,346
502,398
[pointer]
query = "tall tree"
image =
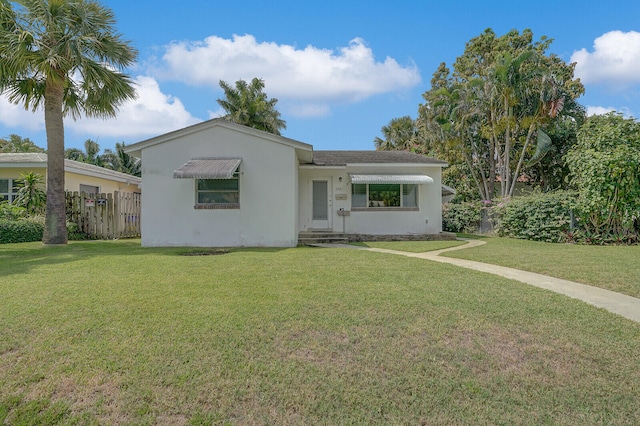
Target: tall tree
x,y
120,161
400,134
15,143
496,108
247,104
605,169
90,155
65,56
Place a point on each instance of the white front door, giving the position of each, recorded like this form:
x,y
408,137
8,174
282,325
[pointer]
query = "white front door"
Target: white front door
x,y
321,205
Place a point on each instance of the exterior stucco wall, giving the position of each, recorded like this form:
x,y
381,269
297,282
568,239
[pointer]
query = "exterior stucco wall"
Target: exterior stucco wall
x,y
426,220
268,193
8,171
72,180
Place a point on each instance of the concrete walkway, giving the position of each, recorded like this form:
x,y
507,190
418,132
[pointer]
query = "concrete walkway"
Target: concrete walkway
x,y
621,304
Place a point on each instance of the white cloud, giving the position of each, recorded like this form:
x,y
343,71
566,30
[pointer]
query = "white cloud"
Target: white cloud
x,y
151,113
311,77
600,110
12,115
217,113
615,59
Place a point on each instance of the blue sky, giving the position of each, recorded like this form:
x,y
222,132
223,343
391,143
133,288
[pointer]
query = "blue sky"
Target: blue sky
x,y
340,69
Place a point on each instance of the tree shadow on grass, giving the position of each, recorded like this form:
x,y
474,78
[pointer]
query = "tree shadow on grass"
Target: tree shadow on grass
x,y
20,258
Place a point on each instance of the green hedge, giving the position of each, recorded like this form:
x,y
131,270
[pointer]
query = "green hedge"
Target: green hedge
x,y
461,217
537,216
30,229
19,231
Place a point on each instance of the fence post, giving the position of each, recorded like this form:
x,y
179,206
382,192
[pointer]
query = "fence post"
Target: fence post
x,y
116,215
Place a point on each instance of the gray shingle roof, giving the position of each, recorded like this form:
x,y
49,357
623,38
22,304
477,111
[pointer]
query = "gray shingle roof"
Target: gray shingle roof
x,y
342,158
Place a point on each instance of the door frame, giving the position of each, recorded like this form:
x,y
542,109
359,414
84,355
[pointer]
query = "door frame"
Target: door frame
x,y
323,224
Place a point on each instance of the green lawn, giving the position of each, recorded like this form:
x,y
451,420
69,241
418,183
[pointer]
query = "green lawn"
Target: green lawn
x,y
412,246
111,333
615,268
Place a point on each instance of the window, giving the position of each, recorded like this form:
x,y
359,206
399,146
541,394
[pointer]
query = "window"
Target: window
x,y
8,189
218,193
89,189
384,195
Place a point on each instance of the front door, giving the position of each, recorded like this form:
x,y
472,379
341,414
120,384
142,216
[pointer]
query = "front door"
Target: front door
x,y
321,217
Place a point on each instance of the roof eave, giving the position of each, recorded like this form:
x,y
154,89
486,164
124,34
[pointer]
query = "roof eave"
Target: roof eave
x,y
136,148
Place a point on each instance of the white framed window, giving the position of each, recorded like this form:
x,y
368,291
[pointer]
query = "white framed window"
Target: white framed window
x,y
218,193
9,189
384,196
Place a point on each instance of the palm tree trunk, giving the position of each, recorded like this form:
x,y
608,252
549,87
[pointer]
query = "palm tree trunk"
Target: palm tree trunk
x,y
521,160
55,229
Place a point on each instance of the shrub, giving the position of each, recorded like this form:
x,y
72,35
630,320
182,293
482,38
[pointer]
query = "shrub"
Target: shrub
x,y
74,233
537,216
11,211
604,169
24,230
20,231
31,194
462,217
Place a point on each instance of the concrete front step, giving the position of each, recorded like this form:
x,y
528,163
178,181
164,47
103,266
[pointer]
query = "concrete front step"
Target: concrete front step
x,y
307,238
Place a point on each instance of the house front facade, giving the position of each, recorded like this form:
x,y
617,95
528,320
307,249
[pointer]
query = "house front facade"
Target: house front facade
x,y
371,193
220,184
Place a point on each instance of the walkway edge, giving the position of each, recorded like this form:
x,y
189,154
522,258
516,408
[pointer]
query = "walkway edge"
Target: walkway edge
x,y
617,303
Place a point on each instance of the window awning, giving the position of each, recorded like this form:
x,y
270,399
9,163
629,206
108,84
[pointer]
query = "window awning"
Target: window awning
x,y
208,168
415,179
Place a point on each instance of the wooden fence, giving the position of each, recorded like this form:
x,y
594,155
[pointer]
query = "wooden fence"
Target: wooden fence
x,y
105,216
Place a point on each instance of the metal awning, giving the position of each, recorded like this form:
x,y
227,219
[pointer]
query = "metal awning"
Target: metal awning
x,y
415,179
208,168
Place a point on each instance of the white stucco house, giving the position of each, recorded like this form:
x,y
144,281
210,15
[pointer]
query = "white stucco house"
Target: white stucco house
x,y
220,184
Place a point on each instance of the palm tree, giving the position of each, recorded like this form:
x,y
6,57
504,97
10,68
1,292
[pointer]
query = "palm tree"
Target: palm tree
x,y
400,134
120,161
66,56
247,104
90,154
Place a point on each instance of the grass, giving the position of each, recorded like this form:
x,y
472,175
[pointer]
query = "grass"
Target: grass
x,y
411,246
111,333
615,268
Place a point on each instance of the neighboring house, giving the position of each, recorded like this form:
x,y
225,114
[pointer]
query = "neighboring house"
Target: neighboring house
x,y
218,183
78,176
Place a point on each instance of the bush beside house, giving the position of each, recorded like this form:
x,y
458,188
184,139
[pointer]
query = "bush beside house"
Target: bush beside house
x,y
538,216
17,227
462,217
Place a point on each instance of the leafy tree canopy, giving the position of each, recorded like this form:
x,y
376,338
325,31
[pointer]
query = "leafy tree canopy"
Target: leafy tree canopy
x,y
495,110
246,103
119,160
400,134
605,169
15,143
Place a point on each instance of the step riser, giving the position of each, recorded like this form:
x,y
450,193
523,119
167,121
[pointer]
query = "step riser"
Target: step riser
x,y
311,237
316,240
